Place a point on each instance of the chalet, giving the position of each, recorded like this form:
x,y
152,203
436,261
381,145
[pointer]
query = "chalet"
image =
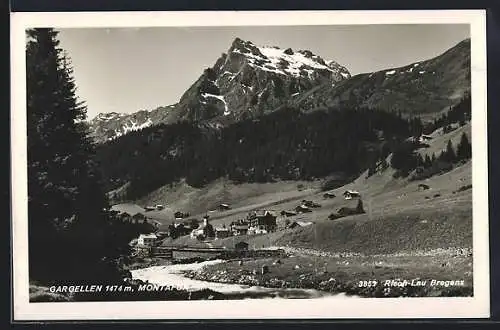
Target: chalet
x,y
302,209
329,195
193,223
288,213
146,239
180,229
197,233
113,213
139,217
125,217
423,138
223,207
180,215
350,194
263,221
260,231
239,229
241,246
118,215
221,232
423,186
296,224
310,204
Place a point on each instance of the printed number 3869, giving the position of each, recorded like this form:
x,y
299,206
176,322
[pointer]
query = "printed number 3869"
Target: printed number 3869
x,y
367,284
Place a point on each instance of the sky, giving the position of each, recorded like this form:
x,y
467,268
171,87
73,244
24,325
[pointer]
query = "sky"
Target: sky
x,y
130,69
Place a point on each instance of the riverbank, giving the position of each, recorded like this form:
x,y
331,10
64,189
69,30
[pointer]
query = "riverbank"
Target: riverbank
x,y
417,275
175,276
304,273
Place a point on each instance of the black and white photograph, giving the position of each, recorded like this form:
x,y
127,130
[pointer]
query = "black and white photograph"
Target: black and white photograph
x,y
262,165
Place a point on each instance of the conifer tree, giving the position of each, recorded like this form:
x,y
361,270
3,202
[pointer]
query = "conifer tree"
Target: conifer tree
x,y
427,161
464,148
359,207
419,160
450,155
66,205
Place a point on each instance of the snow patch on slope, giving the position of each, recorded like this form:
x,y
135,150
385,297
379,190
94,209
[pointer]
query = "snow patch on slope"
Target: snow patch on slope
x,y
278,61
109,116
130,127
219,97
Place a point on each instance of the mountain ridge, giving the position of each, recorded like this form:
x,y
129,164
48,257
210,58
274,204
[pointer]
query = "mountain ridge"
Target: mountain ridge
x,y
249,81
426,87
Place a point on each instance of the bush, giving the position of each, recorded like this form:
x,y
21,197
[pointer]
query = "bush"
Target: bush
x,y
438,167
404,159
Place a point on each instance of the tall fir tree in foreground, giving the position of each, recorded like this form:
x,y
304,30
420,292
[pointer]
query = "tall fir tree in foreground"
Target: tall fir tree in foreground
x,y
68,228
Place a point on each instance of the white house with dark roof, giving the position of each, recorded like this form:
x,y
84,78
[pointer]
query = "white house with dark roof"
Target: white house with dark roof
x,y
350,194
146,239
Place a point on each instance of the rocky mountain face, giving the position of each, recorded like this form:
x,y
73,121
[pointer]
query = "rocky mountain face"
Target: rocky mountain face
x,y
249,81
423,88
108,126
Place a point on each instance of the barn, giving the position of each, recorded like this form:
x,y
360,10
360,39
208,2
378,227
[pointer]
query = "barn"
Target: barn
x,y
241,246
350,194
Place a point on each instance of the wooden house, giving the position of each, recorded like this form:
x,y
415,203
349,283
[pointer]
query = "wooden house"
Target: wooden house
x,y
329,195
139,218
222,232
239,229
223,207
241,246
146,239
350,194
302,209
263,221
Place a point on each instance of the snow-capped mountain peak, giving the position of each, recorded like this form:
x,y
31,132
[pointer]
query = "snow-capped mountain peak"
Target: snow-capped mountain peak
x,y
285,61
250,80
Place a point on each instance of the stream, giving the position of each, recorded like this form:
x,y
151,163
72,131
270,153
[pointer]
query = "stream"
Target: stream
x,y
173,276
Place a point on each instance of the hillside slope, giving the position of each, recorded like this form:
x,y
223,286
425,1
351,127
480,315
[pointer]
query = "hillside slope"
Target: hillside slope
x,y
424,88
440,140
399,216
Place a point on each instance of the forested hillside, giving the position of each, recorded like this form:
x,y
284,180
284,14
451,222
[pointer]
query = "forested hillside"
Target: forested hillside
x,y
287,145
